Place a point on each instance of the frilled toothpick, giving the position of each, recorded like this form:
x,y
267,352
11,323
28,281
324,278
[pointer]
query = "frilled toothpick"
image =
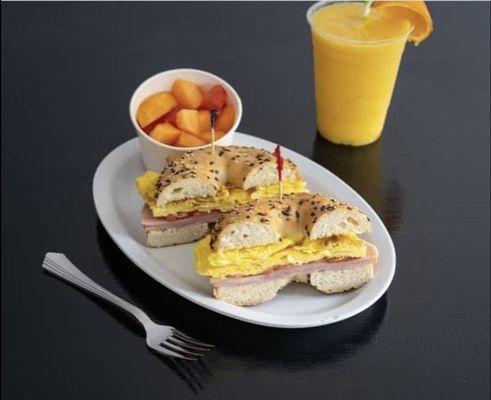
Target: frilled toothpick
x,y
279,167
213,117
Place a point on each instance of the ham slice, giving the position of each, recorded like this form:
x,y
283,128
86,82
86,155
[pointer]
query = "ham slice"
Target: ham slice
x,y
150,222
294,269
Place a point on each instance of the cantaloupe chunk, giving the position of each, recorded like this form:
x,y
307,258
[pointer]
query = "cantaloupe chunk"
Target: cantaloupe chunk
x,y
226,119
204,120
154,107
165,133
188,120
171,116
187,93
206,136
187,140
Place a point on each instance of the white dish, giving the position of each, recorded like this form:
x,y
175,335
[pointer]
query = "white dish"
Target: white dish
x,y
296,306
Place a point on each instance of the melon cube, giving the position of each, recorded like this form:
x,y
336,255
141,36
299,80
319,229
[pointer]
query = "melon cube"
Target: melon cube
x,y
188,120
165,133
226,119
187,140
154,107
171,116
187,93
204,120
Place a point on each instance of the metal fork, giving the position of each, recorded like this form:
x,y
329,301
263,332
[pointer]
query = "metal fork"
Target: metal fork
x,y
163,339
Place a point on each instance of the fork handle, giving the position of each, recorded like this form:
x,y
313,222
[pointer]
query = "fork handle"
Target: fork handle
x,y
62,267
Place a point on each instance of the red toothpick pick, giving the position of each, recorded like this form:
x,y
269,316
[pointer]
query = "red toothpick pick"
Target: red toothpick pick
x,y
279,167
213,117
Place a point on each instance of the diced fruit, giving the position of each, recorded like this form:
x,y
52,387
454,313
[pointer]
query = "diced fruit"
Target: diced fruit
x,y
187,93
226,119
171,116
187,140
206,136
204,120
188,120
150,127
165,133
215,98
154,107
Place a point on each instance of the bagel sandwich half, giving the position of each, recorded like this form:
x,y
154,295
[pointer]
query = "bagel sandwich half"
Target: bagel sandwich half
x,y
193,191
259,248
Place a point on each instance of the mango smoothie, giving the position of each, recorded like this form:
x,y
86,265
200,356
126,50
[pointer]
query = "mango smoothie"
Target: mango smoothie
x,y
356,60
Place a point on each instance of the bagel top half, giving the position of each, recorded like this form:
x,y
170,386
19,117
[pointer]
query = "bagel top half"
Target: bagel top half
x,y
267,221
201,173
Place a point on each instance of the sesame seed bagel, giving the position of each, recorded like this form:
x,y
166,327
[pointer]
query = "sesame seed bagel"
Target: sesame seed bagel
x,y
201,173
267,221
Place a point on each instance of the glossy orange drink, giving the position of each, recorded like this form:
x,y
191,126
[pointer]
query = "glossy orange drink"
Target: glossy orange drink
x,y
356,61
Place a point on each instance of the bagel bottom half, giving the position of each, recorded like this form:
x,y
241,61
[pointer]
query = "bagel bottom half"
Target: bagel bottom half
x,y
172,236
326,281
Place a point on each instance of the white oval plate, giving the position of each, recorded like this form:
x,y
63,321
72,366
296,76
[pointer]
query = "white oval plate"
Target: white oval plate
x,y
296,306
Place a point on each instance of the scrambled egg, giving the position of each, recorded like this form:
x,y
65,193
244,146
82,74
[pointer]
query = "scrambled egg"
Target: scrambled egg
x,y
224,200
256,260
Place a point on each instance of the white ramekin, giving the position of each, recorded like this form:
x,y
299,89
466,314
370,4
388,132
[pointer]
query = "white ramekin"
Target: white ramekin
x,y
155,155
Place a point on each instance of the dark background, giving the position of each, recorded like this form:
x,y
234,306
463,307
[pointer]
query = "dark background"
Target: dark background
x,y
68,71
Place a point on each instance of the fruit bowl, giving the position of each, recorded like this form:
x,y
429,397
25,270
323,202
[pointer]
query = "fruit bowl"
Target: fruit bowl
x,y
156,154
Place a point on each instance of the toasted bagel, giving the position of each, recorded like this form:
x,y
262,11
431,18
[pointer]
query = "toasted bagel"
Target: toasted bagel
x,y
267,221
326,281
201,173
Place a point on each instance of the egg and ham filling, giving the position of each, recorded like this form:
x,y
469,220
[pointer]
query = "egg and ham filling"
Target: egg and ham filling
x,y
226,198
261,259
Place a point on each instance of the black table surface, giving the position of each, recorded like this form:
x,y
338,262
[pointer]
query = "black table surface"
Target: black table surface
x,y
68,71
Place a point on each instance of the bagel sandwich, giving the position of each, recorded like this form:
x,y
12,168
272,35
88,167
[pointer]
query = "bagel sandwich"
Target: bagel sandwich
x,y
259,248
193,191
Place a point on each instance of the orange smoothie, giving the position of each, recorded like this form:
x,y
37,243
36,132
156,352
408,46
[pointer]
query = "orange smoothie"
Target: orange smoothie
x,y
356,60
